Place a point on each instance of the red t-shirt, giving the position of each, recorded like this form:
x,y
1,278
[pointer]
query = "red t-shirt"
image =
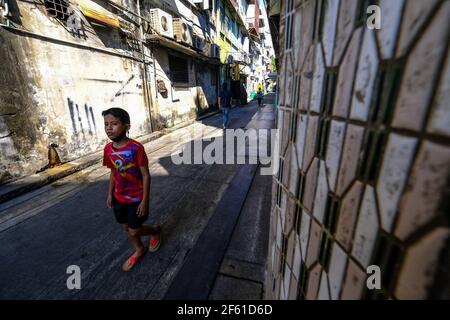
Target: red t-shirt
x,y
127,160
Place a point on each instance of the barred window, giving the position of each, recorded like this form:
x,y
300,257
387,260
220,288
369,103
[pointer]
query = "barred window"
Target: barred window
x,y
57,9
289,24
179,70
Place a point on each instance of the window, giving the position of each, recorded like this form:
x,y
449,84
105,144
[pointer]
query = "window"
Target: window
x,y
179,70
261,23
229,24
57,9
289,24
222,18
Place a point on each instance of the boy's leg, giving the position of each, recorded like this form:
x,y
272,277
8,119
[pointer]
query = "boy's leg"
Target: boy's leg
x,y
147,230
154,236
135,238
139,249
121,212
133,227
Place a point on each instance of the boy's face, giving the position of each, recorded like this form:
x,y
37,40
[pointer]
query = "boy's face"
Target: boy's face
x,y
114,127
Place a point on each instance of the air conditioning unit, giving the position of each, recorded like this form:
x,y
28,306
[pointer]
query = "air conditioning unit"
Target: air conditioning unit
x,y
207,48
199,42
182,31
215,51
203,4
161,22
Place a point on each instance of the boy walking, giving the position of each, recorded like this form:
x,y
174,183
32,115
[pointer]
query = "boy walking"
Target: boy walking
x,y
129,184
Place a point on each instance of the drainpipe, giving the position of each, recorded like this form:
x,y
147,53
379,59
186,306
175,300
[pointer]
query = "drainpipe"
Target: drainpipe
x,y
147,92
154,74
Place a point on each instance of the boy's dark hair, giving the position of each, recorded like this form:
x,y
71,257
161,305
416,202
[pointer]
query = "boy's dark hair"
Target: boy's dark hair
x,y
118,113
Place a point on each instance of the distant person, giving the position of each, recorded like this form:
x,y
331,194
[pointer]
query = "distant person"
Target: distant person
x,y
224,102
235,94
259,96
129,184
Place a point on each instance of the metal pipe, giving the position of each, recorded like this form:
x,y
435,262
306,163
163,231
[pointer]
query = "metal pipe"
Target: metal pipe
x,y
79,45
147,92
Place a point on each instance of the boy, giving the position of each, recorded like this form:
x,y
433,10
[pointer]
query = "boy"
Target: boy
x,y
224,103
129,184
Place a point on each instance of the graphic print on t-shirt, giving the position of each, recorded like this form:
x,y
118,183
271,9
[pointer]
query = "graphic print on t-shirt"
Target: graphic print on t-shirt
x,y
127,177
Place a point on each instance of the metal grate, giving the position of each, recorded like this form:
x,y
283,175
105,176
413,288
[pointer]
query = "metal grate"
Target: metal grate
x,y
179,70
57,9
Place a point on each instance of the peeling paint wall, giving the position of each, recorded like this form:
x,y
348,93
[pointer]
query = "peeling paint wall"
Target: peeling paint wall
x,y
180,103
54,92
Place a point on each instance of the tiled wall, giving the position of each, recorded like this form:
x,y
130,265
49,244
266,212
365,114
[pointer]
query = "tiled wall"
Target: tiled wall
x,y
364,118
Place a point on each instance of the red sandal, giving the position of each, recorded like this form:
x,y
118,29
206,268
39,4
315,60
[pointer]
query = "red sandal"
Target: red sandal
x,y
154,241
132,261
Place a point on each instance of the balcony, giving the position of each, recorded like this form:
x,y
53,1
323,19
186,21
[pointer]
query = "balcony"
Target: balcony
x,y
253,19
241,57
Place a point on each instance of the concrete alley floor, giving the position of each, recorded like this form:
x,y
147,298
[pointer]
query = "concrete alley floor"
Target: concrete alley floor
x,y
67,223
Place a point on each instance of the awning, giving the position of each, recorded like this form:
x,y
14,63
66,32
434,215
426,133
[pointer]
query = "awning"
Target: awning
x,y
253,32
95,11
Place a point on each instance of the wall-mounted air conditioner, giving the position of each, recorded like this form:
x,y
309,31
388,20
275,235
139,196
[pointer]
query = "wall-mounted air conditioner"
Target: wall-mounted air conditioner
x,y
207,48
215,51
161,21
203,4
182,31
198,42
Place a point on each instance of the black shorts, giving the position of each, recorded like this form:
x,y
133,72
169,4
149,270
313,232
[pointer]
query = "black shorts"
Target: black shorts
x,y
126,213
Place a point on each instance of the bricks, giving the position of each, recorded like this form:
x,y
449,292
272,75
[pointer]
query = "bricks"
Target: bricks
x,y
421,71
366,228
396,162
348,215
416,275
372,144
423,193
355,281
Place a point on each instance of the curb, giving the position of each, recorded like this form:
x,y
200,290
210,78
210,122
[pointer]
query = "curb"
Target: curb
x,y
30,183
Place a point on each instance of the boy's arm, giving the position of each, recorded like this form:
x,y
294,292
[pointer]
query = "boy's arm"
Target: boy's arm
x,y
143,207
110,189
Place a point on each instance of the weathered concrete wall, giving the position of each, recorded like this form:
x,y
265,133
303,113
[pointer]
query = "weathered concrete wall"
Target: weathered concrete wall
x,y
206,86
54,92
365,152
180,103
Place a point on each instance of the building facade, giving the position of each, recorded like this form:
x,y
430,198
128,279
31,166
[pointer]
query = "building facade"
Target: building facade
x,y
364,120
64,61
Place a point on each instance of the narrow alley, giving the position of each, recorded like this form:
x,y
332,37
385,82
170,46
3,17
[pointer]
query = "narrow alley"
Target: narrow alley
x,y
68,223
